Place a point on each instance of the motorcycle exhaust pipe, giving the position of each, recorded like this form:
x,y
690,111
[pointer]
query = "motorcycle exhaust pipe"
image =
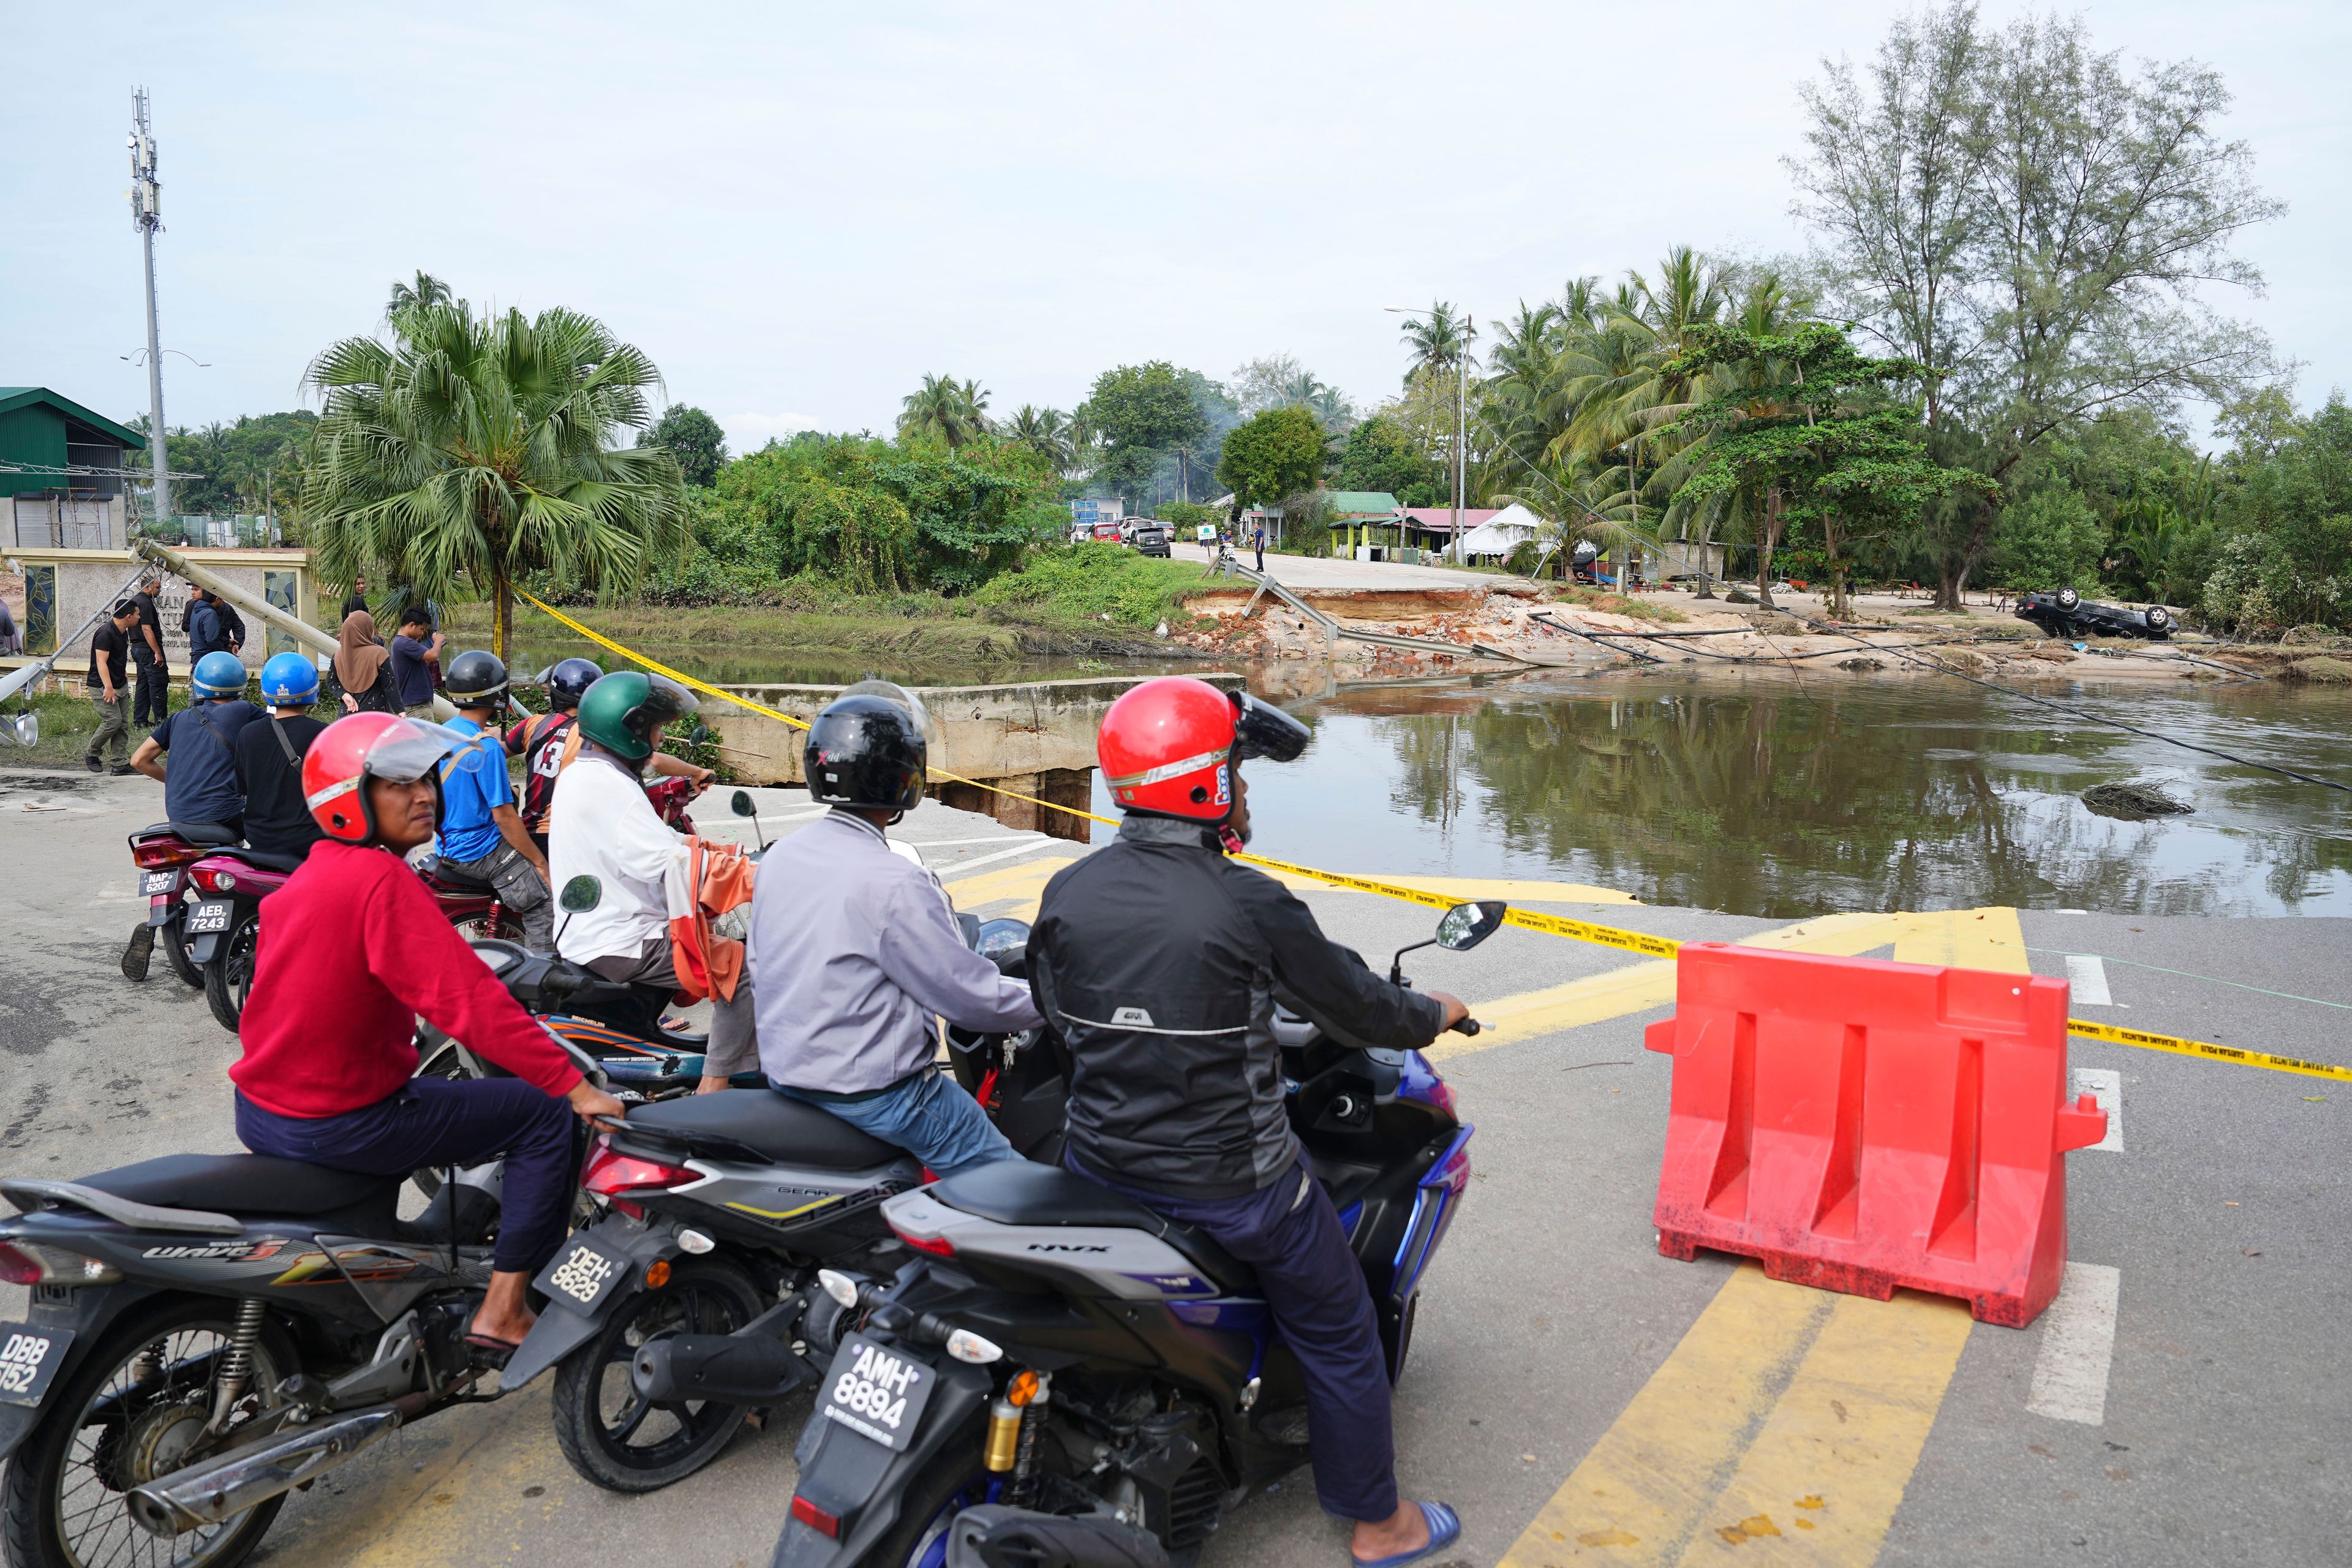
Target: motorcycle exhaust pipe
x,y
207,1493
748,1368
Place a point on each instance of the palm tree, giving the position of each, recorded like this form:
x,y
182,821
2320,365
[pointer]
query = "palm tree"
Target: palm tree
x,y
470,450
1440,340
951,410
426,290
1044,431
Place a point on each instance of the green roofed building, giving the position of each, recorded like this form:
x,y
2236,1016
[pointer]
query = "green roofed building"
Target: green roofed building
x,y
1365,520
44,501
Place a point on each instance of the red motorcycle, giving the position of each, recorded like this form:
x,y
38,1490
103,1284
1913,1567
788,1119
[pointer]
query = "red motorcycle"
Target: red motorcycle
x,y
223,921
164,853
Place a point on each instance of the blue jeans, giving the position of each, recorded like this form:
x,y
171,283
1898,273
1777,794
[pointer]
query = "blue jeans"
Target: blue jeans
x,y
927,1115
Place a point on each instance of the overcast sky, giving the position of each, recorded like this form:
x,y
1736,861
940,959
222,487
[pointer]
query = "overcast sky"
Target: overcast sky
x,y
799,210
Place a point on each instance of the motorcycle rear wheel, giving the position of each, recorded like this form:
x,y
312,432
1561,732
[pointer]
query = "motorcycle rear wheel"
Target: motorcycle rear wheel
x,y
176,953
953,1480
599,1418
104,1430
228,978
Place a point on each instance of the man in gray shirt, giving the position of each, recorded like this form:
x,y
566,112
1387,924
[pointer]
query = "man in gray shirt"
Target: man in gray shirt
x,y
855,951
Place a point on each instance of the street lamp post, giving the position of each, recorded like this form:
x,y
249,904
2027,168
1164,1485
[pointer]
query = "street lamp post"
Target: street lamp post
x,y
147,217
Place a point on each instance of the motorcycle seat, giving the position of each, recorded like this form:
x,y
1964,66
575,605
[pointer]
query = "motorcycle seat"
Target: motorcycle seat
x,y
1021,1191
440,871
245,1184
205,834
262,857
768,1125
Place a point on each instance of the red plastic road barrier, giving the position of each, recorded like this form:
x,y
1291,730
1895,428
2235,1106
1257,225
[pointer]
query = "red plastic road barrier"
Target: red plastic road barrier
x,y
1859,1125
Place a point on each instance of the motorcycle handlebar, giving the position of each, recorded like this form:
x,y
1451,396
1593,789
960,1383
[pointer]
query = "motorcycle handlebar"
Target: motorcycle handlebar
x,y
1467,1026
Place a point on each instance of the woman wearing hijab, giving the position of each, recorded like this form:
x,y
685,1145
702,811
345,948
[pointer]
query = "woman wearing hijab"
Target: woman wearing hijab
x,y
363,680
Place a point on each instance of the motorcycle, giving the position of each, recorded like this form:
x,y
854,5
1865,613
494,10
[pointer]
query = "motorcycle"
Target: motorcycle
x,y
208,1333
163,852
1059,1371
747,1194
223,921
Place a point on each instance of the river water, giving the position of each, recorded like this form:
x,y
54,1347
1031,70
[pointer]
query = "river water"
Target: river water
x,y
1760,794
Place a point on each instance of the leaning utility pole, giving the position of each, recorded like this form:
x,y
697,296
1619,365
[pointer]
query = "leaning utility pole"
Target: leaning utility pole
x,y
147,217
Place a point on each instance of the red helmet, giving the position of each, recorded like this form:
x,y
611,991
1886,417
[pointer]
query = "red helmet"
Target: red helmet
x,y
364,746
1169,745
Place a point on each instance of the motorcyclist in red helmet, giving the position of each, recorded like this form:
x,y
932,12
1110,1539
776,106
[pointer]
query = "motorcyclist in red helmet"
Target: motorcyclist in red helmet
x,y
351,949
1157,958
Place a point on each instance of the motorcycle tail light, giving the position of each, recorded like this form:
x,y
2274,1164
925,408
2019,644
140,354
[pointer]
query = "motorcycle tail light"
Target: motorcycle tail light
x,y
937,1246
212,880
22,1262
611,1173
162,854
815,1517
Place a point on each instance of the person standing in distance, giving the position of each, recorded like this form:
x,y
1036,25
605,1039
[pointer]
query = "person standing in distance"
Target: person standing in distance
x,y
416,660
109,648
152,701
268,757
357,598
1157,958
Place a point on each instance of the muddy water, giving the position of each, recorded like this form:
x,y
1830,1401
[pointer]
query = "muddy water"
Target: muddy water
x,y
1759,795
751,665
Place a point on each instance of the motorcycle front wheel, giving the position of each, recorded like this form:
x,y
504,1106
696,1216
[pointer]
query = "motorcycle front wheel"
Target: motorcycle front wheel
x,y
129,1414
228,978
620,1441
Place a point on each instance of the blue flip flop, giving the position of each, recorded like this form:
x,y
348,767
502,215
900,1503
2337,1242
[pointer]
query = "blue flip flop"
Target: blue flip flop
x,y
1444,1530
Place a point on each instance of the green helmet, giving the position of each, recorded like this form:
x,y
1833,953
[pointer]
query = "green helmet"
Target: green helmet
x,y
621,711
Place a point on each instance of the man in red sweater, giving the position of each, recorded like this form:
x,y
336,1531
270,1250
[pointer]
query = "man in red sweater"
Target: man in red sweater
x,y
351,949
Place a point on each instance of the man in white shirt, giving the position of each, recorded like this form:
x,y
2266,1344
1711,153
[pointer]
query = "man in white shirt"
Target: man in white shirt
x,y
601,824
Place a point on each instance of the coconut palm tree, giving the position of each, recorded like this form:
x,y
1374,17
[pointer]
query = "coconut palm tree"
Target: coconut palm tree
x,y
470,450
426,290
1439,338
1044,431
951,410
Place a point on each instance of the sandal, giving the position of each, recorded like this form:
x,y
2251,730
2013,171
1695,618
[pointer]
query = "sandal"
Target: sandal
x,y
490,1352
1444,1530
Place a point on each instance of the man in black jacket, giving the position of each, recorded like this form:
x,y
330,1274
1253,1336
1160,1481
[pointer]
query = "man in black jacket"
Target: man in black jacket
x,y
1157,958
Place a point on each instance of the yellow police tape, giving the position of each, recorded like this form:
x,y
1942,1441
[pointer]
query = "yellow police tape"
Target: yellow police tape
x,y
1638,941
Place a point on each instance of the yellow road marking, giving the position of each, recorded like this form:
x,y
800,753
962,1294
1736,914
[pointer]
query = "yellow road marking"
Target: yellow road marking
x,y
1967,939
1638,987
1024,881
1781,1405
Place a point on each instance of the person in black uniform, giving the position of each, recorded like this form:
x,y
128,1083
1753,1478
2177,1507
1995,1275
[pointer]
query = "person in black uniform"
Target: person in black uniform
x,y
269,754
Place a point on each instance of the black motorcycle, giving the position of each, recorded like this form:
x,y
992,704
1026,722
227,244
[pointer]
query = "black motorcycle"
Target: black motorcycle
x,y
208,1333
163,854
1059,1374
719,1210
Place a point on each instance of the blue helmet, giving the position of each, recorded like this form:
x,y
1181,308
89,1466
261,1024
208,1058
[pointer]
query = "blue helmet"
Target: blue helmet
x,y
289,681
218,674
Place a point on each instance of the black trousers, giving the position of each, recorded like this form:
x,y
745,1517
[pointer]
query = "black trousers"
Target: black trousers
x,y
150,694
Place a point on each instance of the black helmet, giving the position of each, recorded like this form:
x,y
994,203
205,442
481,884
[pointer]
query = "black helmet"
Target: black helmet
x,y
569,681
865,750
477,679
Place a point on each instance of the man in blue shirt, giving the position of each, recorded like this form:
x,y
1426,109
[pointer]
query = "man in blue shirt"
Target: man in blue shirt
x,y
482,835
415,655
202,740
206,632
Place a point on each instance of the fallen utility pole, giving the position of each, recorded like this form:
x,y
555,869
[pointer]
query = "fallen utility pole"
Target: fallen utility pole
x,y
1333,631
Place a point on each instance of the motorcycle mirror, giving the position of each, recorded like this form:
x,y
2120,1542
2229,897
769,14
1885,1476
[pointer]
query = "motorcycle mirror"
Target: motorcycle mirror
x,y
27,726
1465,926
743,804
581,894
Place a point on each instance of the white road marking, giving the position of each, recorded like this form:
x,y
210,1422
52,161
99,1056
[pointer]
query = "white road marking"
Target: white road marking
x,y
1000,854
945,843
2086,975
2107,1088
2078,1345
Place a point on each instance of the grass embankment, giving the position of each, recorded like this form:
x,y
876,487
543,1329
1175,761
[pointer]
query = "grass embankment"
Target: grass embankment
x,y
1609,604
69,719
1086,598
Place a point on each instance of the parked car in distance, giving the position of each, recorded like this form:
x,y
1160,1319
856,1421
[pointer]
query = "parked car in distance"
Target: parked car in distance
x,y
1149,537
2065,613
1108,531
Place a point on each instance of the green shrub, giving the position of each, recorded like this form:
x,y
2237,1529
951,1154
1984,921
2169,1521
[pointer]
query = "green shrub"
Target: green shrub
x,y
1091,580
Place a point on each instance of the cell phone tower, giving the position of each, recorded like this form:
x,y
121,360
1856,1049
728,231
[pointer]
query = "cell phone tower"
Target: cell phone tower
x,y
147,217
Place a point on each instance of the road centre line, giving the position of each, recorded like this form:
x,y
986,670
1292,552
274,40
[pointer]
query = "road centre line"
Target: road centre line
x,y
2078,1346
2086,981
985,860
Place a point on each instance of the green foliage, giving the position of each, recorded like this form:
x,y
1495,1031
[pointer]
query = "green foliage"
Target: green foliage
x,y
945,411
474,449
1095,579
1272,455
874,517
1187,514
238,468
694,438
2286,513
1380,454
2051,539
1141,412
